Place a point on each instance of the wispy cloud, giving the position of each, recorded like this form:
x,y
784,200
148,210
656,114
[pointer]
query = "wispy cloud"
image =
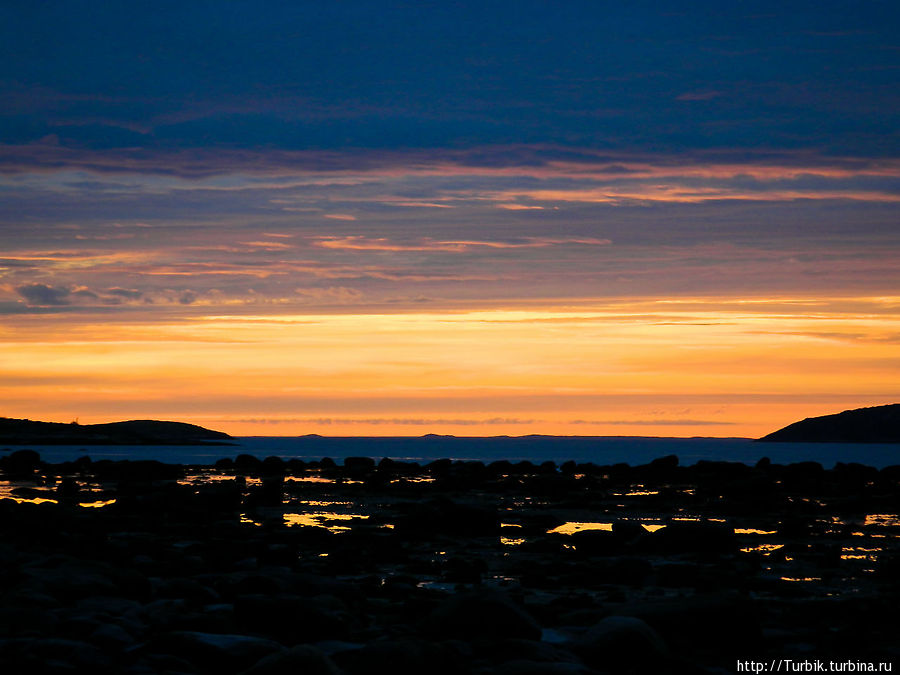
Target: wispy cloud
x,y
654,423
361,243
390,421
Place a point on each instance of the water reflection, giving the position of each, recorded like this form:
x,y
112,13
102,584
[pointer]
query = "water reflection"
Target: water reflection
x,y
572,527
321,519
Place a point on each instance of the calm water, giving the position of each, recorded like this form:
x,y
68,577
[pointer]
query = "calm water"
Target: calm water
x,y
600,450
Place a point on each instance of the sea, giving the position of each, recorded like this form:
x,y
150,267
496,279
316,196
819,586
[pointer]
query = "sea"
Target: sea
x,y
601,450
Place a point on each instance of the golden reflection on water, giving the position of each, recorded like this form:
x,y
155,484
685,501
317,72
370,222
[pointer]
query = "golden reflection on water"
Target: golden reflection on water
x,y
320,520
98,504
200,478
319,502
511,541
882,520
762,548
30,500
753,530
573,527
860,553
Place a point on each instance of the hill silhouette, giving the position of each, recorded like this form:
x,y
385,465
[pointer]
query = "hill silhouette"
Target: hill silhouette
x,y
878,424
132,432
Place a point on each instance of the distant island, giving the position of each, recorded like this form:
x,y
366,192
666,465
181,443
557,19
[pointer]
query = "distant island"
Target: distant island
x,y
132,432
878,424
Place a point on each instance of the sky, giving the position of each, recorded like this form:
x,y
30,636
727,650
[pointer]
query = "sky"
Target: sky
x,y
399,218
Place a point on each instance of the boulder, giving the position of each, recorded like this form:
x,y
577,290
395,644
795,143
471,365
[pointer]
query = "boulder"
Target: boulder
x,y
619,643
485,616
299,660
399,657
213,652
523,667
288,618
687,536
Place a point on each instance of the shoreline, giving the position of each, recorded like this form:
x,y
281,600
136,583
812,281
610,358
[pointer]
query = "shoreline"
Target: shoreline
x,y
451,567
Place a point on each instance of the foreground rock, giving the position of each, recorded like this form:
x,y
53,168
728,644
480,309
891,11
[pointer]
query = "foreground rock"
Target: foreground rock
x,y
263,566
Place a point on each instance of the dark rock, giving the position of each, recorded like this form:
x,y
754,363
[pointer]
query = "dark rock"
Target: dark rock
x,y
689,537
20,463
359,464
299,660
523,667
52,655
290,619
400,657
20,621
110,636
443,516
187,589
245,464
529,650
727,620
622,643
213,652
626,530
273,466
485,616
464,570
596,542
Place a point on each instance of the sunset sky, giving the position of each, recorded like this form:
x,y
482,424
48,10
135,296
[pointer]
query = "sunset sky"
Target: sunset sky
x,y
399,218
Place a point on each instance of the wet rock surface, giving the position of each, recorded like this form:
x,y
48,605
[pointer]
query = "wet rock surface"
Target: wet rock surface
x,y
266,566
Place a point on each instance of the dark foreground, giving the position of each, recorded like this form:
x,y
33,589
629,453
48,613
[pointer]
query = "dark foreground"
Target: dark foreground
x,y
270,567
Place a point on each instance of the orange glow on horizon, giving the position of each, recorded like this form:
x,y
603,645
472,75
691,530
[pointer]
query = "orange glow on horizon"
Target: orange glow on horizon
x,y
675,367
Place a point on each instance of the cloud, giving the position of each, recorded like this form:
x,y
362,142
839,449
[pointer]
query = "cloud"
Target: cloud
x,y
126,293
400,421
653,423
360,243
267,245
698,95
42,295
335,294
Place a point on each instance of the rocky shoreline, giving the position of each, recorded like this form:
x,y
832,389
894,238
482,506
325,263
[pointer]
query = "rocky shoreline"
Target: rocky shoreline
x,y
272,566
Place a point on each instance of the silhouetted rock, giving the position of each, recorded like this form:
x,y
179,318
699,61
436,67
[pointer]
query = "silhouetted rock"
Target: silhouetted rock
x,y
689,537
359,464
443,516
878,424
20,463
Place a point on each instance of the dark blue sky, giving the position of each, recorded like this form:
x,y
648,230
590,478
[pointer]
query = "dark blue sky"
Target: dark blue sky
x,y
817,76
